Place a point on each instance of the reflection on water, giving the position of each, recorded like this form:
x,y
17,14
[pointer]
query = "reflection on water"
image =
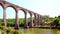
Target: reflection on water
x,y
39,31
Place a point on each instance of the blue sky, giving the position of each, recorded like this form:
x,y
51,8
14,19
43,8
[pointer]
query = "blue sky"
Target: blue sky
x,y
43,7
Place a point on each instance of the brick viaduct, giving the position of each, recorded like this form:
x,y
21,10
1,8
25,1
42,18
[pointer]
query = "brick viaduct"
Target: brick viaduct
x,y
37,17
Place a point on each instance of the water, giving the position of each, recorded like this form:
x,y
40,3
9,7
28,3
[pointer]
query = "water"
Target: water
x,y
39,31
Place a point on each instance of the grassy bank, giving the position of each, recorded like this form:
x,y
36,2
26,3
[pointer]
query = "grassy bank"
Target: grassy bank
x,y
8,30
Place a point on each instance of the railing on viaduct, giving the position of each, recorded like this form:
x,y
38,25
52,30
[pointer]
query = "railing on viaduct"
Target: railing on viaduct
x,y
5,5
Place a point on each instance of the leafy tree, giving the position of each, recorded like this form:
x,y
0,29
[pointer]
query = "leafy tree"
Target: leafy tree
x,y
59,16
46,18
55,22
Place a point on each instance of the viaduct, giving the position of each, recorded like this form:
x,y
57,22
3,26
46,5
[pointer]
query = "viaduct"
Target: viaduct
x,y
37,17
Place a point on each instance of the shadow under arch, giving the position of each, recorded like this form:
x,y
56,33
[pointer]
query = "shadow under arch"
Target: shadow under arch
x,y
1,15
10,19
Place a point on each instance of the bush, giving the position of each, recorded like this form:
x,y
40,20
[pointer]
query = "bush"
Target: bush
x,y
55,22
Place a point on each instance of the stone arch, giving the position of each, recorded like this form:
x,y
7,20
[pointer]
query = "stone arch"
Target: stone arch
x,y
38,20
12,7
1,14
35,19
30,13
31,20
10,16
21,16
2,5
28,18
41,20
24,11
34,15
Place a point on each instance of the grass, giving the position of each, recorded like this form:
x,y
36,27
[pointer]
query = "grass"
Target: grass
x,y
58,32
9,30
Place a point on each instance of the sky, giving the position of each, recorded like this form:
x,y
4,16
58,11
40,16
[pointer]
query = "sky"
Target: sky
x,y
43,7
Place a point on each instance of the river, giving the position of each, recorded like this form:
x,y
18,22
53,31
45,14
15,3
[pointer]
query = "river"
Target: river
x,y
39,31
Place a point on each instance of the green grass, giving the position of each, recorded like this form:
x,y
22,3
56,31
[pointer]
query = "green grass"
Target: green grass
x,y
58,32
9,30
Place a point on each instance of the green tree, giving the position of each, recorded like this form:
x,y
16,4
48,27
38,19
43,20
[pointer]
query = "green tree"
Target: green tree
x,y
46,18
55,22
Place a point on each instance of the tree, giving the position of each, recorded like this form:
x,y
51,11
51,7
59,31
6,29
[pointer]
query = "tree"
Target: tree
x,y
59,16
46,18
55,22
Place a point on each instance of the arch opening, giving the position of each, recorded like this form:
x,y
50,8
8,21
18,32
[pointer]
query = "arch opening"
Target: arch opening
x,y
28,18
10,16
1,15
21,18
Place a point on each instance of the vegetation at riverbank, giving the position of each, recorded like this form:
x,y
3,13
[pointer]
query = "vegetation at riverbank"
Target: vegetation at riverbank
x,y
54,21
11,23
9,30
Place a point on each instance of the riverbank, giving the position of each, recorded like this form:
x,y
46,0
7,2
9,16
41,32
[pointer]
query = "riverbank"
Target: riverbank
x,y
11,30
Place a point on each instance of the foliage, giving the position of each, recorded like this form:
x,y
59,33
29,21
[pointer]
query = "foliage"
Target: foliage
x,y
21,21
47,19
56,21
11,22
